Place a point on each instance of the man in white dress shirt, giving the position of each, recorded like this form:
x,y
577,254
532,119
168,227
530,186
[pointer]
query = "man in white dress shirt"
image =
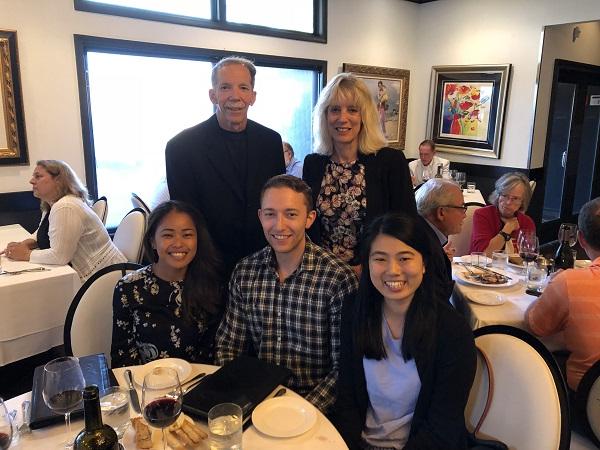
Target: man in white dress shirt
x,y
426,167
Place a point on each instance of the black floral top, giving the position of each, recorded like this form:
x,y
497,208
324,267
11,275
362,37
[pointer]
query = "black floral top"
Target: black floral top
x,y
342,207
148,323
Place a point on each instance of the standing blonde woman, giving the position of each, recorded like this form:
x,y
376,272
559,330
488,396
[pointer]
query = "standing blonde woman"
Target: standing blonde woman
x,y
70,232
354,177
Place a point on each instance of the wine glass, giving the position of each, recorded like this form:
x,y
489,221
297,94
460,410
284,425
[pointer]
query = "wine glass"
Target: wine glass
x,y
568,231
426,174
5,427
461,179
161,398
63,386
529,247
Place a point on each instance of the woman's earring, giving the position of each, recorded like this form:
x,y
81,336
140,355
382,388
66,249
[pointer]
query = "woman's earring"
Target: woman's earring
x,y
154,255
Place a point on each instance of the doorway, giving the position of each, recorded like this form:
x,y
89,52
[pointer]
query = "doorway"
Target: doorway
x,y
572,159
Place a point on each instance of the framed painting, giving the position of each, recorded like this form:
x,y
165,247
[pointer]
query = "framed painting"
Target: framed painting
x,y
466,108
389,88
13,144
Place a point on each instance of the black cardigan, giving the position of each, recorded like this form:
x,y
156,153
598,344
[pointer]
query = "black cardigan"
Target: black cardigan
x,y
446,378
387,178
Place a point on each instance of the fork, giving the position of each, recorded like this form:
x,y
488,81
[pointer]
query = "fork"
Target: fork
x,y
17,272
25,412
471,273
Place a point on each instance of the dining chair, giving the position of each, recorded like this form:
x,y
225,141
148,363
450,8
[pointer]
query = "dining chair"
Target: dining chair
x,y
519,395
88,325
137,202
100,207
587,403
129,235
532,184
462,240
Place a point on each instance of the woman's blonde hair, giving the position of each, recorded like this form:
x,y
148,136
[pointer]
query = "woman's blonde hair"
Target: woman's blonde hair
x,y
345,86
68,183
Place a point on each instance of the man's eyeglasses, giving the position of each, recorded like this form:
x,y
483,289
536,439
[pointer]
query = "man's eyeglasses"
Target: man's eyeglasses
x,y
510,198
463,207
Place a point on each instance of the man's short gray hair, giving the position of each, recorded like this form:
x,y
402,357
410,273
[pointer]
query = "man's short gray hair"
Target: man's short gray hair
x,y
233,60
589,222
433,194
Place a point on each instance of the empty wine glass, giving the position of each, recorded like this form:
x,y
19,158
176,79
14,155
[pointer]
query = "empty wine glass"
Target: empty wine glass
x,y
161,398
529,247
426,174
63,385
5,427
568,232
461,179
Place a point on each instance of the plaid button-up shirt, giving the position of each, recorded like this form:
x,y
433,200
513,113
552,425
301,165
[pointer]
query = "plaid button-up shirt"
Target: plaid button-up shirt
x,y
294,323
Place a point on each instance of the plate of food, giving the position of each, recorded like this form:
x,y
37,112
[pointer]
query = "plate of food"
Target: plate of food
x,y
485,278
182,367
516,262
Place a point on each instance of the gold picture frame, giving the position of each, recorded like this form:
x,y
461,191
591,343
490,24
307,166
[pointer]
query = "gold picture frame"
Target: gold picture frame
x,y
13,142
390,91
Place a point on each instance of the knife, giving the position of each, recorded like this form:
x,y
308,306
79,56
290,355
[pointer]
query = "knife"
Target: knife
x,y
135,401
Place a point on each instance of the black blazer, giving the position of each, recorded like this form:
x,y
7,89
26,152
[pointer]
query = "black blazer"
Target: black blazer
x,y
446,377
388,184
440,266
200,172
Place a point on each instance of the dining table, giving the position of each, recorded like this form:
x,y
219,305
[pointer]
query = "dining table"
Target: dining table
x,y
473,196
34,304
323,435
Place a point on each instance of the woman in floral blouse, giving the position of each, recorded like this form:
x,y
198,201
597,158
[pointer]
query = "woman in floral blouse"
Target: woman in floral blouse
x,y
172,307
353,176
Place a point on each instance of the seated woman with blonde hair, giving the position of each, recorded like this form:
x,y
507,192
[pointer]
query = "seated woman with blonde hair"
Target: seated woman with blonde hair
x,y
70,232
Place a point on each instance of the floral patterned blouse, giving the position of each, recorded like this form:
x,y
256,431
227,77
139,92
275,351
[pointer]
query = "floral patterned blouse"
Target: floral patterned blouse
x,y
148,323
342,207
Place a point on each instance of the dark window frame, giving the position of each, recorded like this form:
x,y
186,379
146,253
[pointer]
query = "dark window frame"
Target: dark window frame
x,y
84,44
218,20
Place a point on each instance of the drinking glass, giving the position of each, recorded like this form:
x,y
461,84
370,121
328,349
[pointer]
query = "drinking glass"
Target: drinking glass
x,y
426,175
161,398
471,186
568,231
461,178
529,247
478,259
225,427
536,276
63,385
5,427
114,406
499,260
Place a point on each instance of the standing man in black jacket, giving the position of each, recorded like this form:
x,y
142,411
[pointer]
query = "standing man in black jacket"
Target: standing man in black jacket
x,y
220,165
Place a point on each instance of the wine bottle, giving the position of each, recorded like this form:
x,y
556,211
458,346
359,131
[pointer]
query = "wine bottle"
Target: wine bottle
x,y
95,436
439,171
563,259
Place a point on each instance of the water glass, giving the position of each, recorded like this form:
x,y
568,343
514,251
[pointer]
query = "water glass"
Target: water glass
x,y
478,259
499,260
114,405
471,186
225,427
536,276
461,178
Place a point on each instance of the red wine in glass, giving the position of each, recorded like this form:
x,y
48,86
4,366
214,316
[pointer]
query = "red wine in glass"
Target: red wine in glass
x,y
4,441
162,412
528,256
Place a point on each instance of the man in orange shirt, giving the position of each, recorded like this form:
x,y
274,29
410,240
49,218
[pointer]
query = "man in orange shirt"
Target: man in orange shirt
x,y
571,302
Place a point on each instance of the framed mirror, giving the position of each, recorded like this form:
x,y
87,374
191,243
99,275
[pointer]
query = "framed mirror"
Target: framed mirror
x,y
13,142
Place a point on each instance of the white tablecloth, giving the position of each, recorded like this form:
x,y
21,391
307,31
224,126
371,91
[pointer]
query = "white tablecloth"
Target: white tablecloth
x,y
322,436
33,305
473,196
512,312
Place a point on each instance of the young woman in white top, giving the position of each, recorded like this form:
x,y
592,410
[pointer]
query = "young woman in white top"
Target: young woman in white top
x,y
70,232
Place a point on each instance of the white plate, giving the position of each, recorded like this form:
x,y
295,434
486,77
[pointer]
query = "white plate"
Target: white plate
x,y
467,259
582,263
488,298
515,266
183,368
462,276
284,416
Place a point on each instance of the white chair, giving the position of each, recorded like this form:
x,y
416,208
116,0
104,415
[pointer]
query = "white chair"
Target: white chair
x,y
100,207
532,184
137,202
587,403
129,235
88,325
527,408
462,241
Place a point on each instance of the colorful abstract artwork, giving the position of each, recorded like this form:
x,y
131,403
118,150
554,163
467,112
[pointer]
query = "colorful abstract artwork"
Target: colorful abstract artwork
x,y
466,110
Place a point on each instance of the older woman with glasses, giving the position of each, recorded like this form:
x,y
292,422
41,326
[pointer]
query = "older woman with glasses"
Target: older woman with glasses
x,y
496,227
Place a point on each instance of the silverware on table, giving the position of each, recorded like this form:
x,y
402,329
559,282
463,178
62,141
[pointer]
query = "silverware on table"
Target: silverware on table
x,y
494,272
192,383
25,412
135,401
17,272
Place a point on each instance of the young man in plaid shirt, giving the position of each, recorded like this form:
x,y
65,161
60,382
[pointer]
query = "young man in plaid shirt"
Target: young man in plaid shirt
x,y
285,300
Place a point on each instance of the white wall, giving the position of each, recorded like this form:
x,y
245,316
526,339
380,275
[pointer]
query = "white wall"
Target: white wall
x,y
558,44
45,31
389,33
490,32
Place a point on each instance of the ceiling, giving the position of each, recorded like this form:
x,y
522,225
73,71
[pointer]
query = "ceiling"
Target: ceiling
x,y
421,1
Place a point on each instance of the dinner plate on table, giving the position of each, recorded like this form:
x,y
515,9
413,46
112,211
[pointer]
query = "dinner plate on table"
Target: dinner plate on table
x,y
467,259
182,367
464,277
284,417
488,298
